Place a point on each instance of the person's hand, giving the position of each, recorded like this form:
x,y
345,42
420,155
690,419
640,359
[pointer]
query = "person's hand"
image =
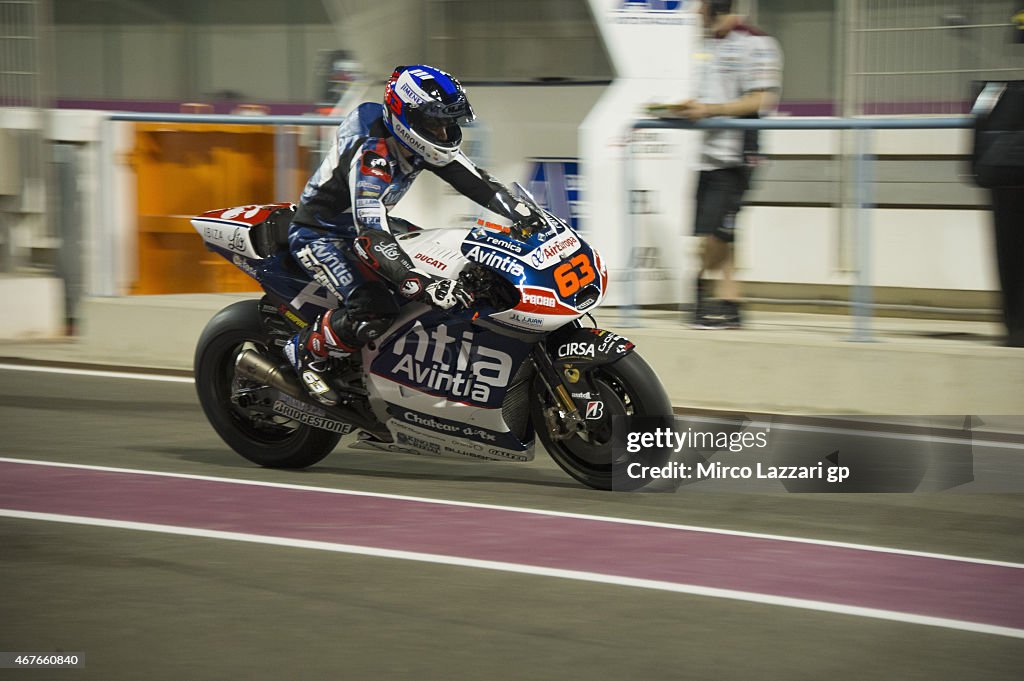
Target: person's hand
x,y
447,293
662,110
692,110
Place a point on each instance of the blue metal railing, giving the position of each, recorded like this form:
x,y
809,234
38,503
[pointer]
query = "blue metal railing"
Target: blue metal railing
x,y
233,119
861,299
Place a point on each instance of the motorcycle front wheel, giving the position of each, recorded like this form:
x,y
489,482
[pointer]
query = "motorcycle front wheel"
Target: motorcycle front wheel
x,y
628,387
275,442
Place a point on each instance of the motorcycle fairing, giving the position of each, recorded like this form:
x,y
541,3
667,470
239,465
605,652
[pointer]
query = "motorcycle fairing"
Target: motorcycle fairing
x,y
229,232
446,427
446,369
450,359
574,346
558,275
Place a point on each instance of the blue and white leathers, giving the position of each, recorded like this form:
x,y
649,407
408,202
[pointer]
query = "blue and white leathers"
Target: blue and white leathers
x,y
352,193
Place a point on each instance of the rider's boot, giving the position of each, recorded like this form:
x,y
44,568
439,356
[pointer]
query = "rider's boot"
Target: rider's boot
x,y
311,350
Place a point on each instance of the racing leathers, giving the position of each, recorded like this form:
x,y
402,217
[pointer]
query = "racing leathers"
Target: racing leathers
x,y
344,210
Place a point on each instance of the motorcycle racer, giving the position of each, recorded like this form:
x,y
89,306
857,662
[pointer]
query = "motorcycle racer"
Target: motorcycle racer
x,y
376,155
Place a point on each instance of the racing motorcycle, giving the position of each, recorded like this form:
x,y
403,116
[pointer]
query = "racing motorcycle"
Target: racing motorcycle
x,y
484,382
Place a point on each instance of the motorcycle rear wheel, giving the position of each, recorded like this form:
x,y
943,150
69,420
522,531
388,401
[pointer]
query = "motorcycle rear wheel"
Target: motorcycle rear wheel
x,y
272,444
629,387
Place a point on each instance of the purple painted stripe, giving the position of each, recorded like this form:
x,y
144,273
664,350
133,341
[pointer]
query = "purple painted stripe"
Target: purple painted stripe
x,y
973,592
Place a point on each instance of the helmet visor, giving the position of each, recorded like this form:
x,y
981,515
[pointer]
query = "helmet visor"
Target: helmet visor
x,y
439,123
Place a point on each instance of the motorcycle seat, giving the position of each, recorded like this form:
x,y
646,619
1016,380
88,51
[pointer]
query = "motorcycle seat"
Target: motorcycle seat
x,y
270,237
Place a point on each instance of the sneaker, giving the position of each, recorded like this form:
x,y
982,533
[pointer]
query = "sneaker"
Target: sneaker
x,y
703,309
730,314
725,314
706,319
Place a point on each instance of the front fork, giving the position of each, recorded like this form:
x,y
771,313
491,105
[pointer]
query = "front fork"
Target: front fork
x,y
564,419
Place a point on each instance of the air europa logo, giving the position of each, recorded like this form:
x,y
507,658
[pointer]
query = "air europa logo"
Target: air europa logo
x,y
559,246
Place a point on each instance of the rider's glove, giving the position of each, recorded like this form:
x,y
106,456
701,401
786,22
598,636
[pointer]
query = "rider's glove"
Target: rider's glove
x,y
526,221
446,294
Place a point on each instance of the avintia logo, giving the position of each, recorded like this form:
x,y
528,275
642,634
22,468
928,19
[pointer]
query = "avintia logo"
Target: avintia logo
x,y
498,261
451,366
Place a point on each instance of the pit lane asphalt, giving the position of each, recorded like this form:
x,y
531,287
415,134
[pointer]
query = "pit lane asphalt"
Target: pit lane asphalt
x,y
157,606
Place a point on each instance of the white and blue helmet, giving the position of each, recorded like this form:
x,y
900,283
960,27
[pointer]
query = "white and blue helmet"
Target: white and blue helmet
x,y
423,109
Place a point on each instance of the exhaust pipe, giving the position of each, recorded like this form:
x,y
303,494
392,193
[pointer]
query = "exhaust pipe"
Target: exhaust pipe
x,y
254,366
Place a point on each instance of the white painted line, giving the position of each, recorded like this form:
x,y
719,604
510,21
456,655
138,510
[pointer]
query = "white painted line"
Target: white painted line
x,y
519,568
516,509
69,371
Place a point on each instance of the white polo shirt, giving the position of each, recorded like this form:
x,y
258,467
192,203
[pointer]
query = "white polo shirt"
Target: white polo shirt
x,y
744,59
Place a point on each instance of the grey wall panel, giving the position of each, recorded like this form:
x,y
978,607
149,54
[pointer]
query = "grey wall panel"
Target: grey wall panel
x,y
251,61
80,63
805,30
154,63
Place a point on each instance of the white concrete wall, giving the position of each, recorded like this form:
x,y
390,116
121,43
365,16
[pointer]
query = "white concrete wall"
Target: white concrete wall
x,y
33,307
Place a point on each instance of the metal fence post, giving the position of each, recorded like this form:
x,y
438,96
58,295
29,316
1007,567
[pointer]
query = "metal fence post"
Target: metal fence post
x,y
69,230
629,222
861,299
284,163
106,250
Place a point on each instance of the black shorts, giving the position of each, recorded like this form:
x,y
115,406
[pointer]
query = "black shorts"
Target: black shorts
x,y
719,197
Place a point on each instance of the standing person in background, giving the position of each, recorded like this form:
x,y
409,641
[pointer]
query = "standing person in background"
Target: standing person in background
x,y
998,164
740,75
